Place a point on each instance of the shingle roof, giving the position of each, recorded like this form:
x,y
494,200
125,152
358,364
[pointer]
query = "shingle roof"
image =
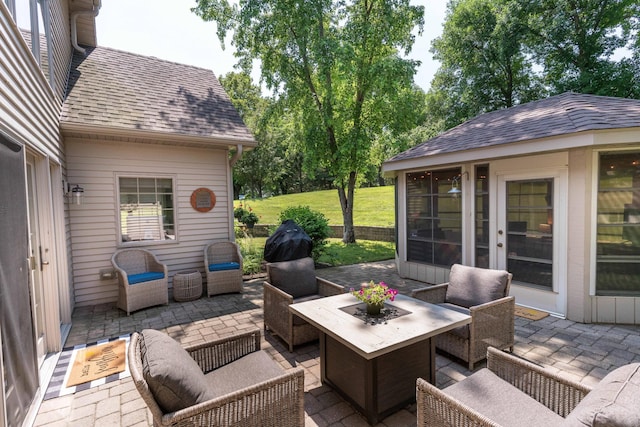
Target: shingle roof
x,y
121,90
555,116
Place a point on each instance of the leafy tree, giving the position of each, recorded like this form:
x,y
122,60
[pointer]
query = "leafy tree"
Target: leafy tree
x,y
576,41
483,67
337,62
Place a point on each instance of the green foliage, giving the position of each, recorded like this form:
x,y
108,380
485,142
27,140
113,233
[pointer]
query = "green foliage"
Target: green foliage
x,y
245,216
312,222
336,66
578,42
252,254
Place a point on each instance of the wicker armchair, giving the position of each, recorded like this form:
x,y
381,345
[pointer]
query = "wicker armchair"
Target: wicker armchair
x,y
243,385
511,391
223,264
482,294
142,280
289,282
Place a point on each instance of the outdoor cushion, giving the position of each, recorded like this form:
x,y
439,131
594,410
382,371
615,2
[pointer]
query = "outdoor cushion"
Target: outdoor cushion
x,y
461,331
613,402
297,278
500,402
470,286
174,378
144,277
224,266
247,371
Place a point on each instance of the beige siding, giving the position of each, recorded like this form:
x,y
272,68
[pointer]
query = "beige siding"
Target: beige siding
x,y
94,225
28,107
61,45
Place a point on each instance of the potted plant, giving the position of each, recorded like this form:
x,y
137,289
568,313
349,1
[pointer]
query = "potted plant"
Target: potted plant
x,y
245,216
374,295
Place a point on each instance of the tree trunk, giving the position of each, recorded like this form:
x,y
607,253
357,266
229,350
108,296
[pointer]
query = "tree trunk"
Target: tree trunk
x,y
346,203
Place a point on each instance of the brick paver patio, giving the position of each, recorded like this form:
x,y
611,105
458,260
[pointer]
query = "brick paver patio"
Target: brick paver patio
x,y
582,352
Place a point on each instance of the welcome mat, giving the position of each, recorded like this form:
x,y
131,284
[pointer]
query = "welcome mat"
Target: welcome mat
x,y
62,382
530,313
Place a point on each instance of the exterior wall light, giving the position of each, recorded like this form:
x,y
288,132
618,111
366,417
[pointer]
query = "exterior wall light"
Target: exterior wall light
x,y
74,193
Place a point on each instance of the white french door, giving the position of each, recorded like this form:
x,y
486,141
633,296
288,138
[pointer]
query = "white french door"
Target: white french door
x,y
36,263
531,236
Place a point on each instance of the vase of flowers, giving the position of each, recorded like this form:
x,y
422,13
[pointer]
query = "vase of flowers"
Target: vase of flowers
x,y
374,295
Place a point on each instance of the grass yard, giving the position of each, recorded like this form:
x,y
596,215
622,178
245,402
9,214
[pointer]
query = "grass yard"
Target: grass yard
x,y
336,253
374,206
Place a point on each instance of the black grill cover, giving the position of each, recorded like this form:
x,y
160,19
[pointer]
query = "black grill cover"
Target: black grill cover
x,y
287,243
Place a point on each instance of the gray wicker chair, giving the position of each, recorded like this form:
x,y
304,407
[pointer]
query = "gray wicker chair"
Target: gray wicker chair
x,y
135,291
510,392
289,282
482,294
243,385
223,264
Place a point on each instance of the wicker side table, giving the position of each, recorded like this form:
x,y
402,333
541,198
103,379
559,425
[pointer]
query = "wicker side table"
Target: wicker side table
x,y
187,285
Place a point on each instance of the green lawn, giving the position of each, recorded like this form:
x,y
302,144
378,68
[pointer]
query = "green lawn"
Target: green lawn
x,y
335,254
374,206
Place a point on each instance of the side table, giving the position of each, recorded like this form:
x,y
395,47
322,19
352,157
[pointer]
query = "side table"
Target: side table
x,y
187,285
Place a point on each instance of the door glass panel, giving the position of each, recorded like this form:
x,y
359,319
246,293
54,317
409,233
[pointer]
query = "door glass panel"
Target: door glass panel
x,y
530,231
482,216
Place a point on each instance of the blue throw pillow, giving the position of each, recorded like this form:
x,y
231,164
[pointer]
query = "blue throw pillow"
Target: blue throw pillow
x,y
224,266
144,277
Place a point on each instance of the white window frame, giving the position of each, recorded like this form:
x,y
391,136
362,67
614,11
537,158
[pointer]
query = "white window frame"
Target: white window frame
x,y
173,178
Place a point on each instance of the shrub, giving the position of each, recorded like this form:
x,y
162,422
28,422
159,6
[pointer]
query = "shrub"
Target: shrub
x,y
245,216
313,223
252,255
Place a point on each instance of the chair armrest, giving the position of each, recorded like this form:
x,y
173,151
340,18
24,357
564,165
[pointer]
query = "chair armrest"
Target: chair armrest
x,y
435,407
432,294
280,398
327,288
276,293
561,395
216,353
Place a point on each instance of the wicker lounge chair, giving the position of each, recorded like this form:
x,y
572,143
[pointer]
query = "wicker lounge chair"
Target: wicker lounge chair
x,y
514,392
226,382
223,264
143,281
482,294
289,282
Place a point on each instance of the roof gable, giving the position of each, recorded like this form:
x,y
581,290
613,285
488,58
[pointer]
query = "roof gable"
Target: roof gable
x,y
110,88
555,116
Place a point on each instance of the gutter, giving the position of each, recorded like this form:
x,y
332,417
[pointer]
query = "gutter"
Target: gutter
x,y
236,156
74,23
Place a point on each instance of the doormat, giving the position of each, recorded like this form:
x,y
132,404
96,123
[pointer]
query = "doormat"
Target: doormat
x,y
62,383
530,313
98,361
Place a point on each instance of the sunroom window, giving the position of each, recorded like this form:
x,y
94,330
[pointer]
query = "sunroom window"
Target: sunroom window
x,y
434,217
618,233
146,209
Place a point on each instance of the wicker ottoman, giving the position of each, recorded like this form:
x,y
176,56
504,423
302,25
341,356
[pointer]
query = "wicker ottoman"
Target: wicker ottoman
x,y
187,285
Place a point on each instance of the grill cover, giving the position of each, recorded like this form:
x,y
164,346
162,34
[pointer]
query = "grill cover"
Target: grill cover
x,y
287,243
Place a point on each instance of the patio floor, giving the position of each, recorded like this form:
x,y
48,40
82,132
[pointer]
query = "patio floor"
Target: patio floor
x,y
582,352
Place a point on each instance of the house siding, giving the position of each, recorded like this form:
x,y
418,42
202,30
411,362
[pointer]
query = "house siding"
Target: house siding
x,y
95,165
61,46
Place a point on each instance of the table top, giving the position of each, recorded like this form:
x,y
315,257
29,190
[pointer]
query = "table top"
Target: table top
x,y
373,340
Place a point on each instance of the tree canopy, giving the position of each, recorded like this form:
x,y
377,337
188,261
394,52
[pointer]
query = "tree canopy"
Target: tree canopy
x,y
337,64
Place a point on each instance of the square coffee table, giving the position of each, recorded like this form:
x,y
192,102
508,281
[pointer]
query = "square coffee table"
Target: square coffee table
x,y
374,362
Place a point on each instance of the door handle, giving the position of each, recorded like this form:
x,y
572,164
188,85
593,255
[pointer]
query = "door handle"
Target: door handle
x,y
499,245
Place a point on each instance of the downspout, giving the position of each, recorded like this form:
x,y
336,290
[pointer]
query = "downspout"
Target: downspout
x,y
74,24
236,156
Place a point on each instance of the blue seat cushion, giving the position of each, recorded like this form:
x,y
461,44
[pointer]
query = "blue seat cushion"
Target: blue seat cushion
x,y
144,277
224,266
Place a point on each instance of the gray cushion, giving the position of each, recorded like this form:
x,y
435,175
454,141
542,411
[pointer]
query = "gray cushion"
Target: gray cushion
x,y
470,286
502,403
175,379
241,373
297,277
461,331
614,402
